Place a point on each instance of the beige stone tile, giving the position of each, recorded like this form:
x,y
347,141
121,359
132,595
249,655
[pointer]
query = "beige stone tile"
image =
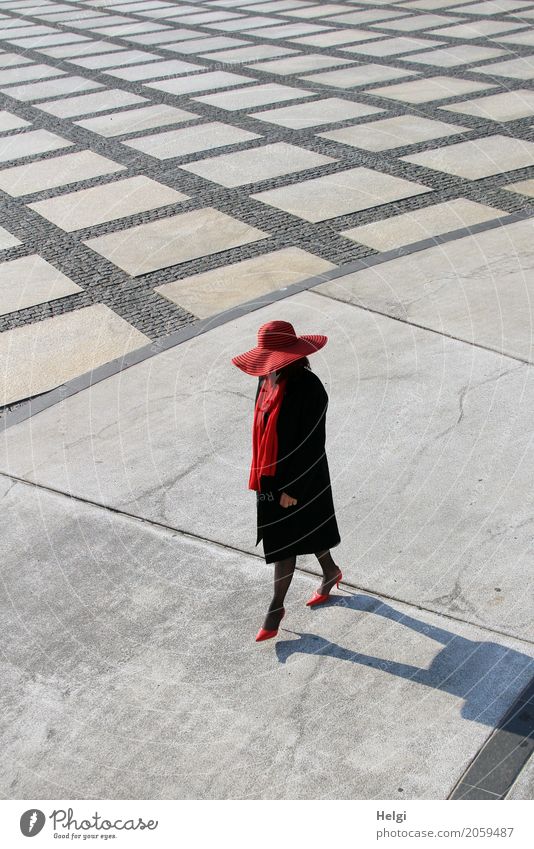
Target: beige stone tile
x,y
250,53
7,240
135,120
170,241
31,280
58,171
315,112
480,158
87,207
257,95
29,144
152,70
200,82
98,101
299,64
458,54
433,88
8,121
524,187
421,224
255,164
50,88
507,106
335,37
339,194
181,142
393,132
520,68
357,75
45,354
28,72
222,288
392,46
476,29
414,23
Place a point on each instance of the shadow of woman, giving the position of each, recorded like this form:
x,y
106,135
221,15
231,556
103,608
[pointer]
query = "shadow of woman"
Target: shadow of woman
x,y
486,675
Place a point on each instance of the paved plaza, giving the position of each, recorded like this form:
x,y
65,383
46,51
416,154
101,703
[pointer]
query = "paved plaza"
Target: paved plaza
x,y
173,175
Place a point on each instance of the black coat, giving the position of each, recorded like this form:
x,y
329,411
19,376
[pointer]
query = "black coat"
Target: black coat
x,y
302,472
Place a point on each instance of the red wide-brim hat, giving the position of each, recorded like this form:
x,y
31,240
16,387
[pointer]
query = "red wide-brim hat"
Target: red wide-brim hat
x,y
278,345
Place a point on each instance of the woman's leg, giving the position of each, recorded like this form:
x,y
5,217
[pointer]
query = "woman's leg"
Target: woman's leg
x,y
283,575
330,571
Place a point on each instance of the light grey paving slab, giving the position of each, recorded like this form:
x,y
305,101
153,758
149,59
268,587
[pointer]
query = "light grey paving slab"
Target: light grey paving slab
x,y
112,60
135,120
29,144
432,88
414,23
526,39
243,24
162,652
298,64
228,286
49,40
45,354
165,68
57,171
99,101
288,30
392,46
339,194
214,43
7,240
170,241
8,121
28,72
315,112
31,280
248,53
520,68
389,133
87,47
421,224
476,29
496,7
479,158
431,5
257,95
19,32
335,37
203,18
318,10
255,164
366,16
438,431
7,60
524,187
457,54
98,204
507,106
200,82
181,142
50,88
125,30
92,23
164,36
357,75
523,786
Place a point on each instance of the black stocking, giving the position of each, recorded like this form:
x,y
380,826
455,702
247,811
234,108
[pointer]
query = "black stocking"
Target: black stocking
x,y
330,571
283,575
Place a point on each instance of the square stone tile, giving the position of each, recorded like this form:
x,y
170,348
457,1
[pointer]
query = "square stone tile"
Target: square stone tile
x,y
255,164
335,37
289,30
480,158
421,224
526,39
88,47
300,64
207,44
7,240
203,18
476,29
97,21
12,34
7,60
124,30
365,16
524,187
200,82
28,72
31,280
433,88
119,199
100,101
315,112
249,53
39,41
48,353
257,95
228,286
50,88
430,5
457,54
392,46
414,23
274,6
114,60
188,140
319,10
507,106
30,143
520,68
153,70
167,35
135,120
495,7
170,241
8,121
244,24
358,75
389,133
58,171
339,194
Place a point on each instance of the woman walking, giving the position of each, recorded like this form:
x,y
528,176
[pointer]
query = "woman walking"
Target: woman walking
x,y
289,470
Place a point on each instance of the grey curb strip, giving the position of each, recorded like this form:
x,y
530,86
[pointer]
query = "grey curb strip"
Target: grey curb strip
x,y
38,403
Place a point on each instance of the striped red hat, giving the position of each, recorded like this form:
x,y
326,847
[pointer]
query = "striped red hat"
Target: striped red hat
x,y
278,345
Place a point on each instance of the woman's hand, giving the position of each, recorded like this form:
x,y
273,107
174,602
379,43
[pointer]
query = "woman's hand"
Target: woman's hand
x,y
286,500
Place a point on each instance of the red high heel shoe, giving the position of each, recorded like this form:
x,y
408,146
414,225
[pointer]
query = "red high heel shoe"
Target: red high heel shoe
x,y
264,634
317,598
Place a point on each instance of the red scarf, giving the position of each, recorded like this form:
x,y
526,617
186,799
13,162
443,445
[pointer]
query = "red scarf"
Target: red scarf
x,y
264,436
